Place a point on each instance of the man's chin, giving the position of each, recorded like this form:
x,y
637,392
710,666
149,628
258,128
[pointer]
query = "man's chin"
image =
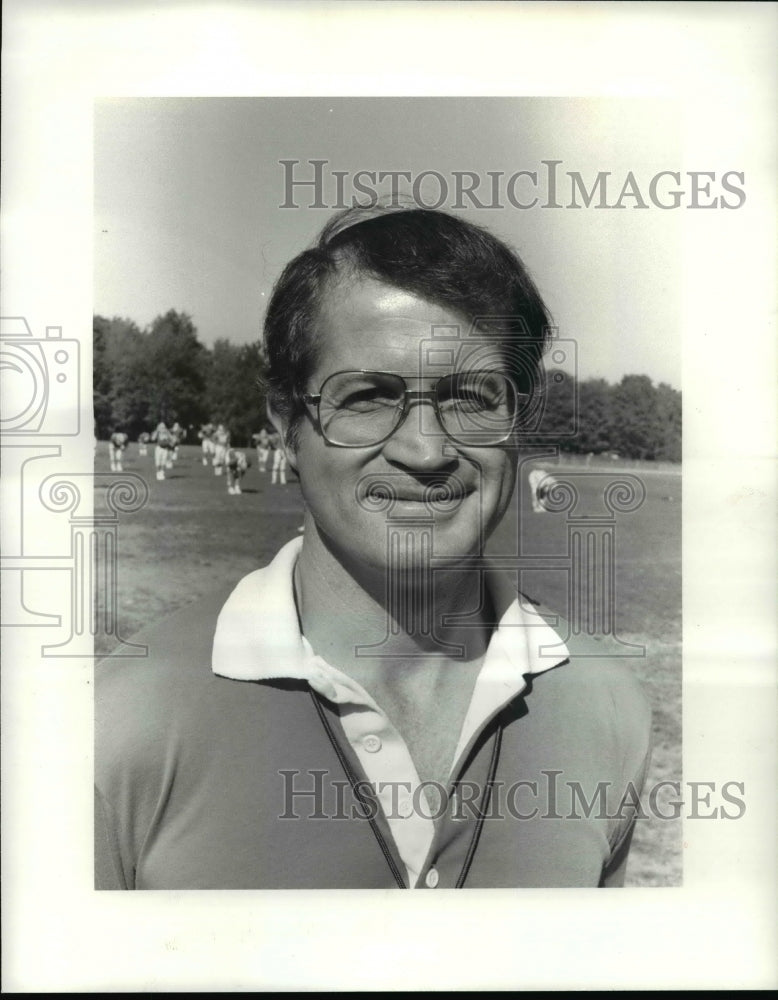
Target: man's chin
x,y
403,545
411,548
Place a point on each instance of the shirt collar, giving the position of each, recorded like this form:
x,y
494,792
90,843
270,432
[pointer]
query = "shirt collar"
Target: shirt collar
x,y
258,633
258,638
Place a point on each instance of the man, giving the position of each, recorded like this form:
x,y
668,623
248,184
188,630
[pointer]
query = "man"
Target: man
x,y
379,707
236,464
278,469
178,433
261,441
116,447
164,443
221,442
206,438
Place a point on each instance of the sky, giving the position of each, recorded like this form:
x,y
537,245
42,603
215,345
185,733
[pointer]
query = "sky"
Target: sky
x,y
188,195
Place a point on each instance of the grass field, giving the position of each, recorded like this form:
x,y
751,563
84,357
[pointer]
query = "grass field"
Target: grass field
x,y
192,537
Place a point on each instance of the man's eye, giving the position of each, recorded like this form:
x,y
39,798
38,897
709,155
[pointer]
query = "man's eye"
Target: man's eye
x,y
469,401
367,399
479,393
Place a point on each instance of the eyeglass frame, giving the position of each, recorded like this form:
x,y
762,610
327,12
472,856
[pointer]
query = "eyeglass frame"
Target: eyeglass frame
x,y
314,399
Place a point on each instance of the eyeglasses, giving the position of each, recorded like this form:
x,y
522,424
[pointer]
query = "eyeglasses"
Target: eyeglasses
x,y
359,409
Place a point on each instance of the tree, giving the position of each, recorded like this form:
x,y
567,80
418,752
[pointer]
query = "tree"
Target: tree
x,y
632,418
173,368
556,409
670,413
594,416
101,377
638,429
116,383
234,392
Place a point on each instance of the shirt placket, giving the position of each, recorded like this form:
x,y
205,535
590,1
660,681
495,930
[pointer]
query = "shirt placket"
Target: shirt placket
x,y
386,761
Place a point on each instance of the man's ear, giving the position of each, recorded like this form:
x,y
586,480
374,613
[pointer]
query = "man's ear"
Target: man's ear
x,y
282,426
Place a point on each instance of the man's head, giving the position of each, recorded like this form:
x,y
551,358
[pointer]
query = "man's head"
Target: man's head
x,y
439,257
385,302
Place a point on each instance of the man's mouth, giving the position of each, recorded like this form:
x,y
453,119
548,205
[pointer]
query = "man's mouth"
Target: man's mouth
x,y
436,494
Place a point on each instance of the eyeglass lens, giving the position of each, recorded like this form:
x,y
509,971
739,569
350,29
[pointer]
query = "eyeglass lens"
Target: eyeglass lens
x,y
361,408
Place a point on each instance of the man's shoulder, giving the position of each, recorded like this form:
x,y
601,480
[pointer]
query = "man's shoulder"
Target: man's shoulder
x,y
166,657
170,695
172,658
594,678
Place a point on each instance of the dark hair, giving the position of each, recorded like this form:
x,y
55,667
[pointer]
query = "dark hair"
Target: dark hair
x,y
437,256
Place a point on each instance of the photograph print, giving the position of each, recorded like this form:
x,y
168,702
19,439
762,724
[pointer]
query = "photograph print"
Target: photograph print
x,y
387,429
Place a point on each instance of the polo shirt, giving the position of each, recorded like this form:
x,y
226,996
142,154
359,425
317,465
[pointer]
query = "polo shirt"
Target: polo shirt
x,y
235,757
240,652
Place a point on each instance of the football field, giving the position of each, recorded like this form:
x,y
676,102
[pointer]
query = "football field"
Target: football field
x,y
608,554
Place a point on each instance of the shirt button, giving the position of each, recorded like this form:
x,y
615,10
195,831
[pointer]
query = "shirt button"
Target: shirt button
x,y
432,878
372,743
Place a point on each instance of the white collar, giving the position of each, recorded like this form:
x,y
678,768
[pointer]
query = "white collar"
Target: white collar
x,y
258,633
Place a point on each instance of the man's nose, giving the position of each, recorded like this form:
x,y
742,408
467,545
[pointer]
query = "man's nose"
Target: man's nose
x,y
419,442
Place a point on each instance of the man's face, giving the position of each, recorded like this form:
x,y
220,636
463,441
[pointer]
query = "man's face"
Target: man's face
x,y
367,324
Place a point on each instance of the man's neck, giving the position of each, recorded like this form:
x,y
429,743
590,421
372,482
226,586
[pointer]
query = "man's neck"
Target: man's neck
x,y
389,636
388,627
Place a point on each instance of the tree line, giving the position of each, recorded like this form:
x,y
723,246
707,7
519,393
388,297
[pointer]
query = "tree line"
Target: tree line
x,y
165,373
633,419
